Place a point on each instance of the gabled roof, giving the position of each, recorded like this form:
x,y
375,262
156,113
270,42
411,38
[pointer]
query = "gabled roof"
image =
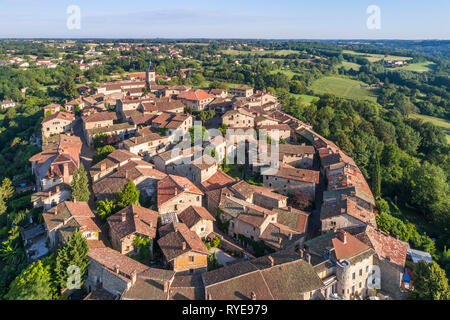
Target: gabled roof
x,y
172,186
386,247
288,172
114,261
134,220
64,211
59,115
192,215
218,180
348,249
172,243
100,116
195,95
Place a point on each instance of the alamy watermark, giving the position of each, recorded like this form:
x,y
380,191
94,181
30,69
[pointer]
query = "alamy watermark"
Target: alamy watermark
x,y
374,20
74,19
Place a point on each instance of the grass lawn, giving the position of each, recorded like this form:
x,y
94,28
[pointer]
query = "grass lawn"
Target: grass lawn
x,y
288,73
305,97
417,67
350,65
439,122
372,57
343,87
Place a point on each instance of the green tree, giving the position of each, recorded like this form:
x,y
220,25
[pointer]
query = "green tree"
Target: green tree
x,y
105,208
430,282
67,88
34,283
101,153
376,176
80,185
129,195
73,253
6,192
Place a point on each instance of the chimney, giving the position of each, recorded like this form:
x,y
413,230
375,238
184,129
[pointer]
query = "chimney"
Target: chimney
x,y
126,174
272,262
308,258
66,172
57,188
123,217
301,253
116,268
103,166
253,295
166,286
183,245
176,191
334,229
74,199
290,236
133,276
343,236
398,238
209,297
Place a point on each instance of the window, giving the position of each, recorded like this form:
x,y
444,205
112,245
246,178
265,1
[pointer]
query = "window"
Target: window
x,y
360,285
353,289
353,276
367,269
191,259
198,198
360,272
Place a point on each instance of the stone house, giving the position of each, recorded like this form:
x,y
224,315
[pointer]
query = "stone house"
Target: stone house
x,y
142,173
114,160
130,222
198,219
277,131
390,257
196,99
51,197
53,108
70,106
99,120
345,214
57,123
62,220
55,165
183,249
350,262
146,146
111,271
288,179
239,118
241,91
299,156
175,194
121,130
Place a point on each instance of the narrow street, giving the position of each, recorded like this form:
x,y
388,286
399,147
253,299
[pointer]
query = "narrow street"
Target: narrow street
x,y
314,224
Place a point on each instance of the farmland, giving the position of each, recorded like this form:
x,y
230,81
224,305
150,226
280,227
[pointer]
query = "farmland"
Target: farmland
x,y
343,87
442,123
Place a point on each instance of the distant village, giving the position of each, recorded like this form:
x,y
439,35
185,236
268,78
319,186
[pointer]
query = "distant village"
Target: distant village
x,y
271,245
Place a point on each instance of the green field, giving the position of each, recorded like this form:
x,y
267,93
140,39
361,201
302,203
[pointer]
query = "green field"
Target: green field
x,y
289,73
372,57
350,65
305,97
259,53
418,67
438,122
342,87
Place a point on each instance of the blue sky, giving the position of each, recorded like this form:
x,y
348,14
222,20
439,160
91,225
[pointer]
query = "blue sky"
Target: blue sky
x,y
282,19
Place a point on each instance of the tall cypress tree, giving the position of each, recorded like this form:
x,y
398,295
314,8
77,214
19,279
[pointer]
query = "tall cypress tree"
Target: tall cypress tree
x,y
80,185
376,177
74,253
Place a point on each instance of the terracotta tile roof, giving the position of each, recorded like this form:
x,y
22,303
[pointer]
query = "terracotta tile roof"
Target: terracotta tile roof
x,y
293,218
172,186
99,294
296,149
219,195
195,95
64,211
59,115
112,260
133,170
386,247
100,116
286,279
218,180
348,249
280,127
279,236
172,243
149,285
347,206
193,215
204,162
247,190
288,172
138,220
187,288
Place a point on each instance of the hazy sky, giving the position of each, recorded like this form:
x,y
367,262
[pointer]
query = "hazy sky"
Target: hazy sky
x,y
275,19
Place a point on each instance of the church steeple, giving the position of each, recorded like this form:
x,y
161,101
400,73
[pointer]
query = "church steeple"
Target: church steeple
x,y
150,74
